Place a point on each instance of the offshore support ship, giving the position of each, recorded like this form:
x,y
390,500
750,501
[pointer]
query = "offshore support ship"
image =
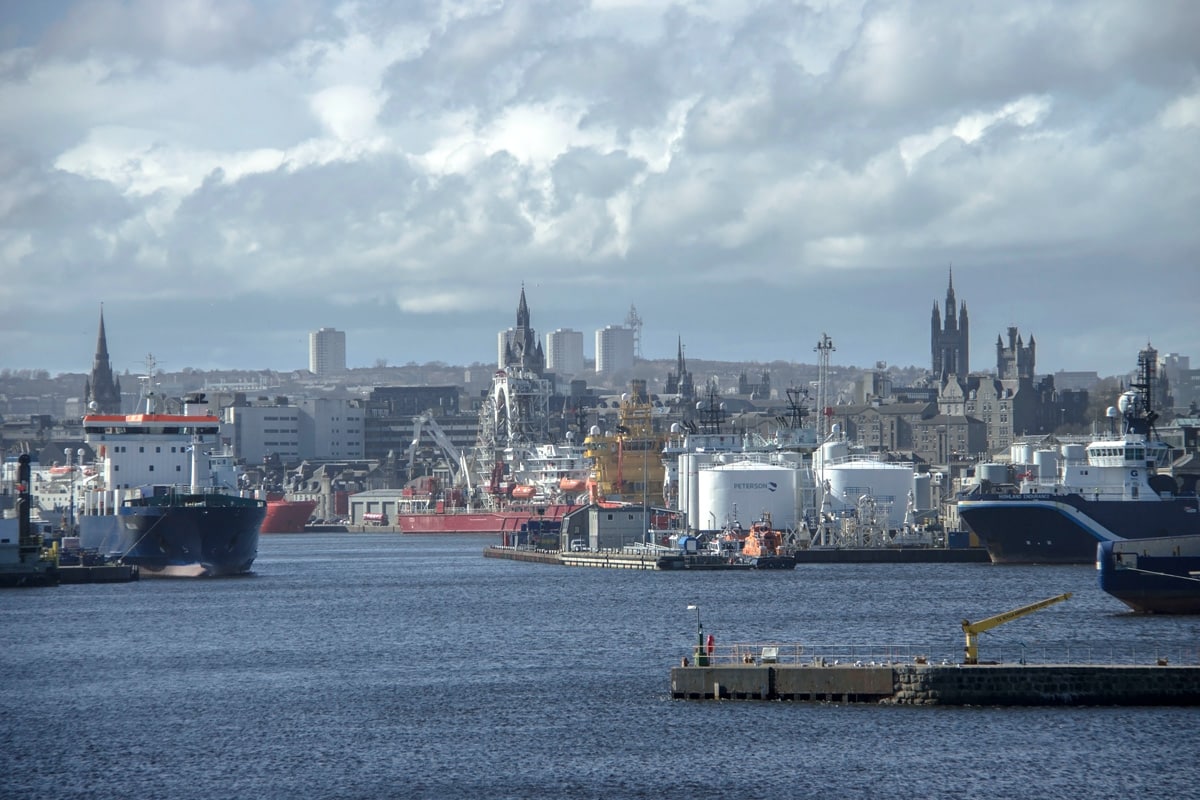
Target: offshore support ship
x,y
1113,489
135,507
519,470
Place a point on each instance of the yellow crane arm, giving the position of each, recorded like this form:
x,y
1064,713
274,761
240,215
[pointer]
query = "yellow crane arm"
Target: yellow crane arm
x,y
973,629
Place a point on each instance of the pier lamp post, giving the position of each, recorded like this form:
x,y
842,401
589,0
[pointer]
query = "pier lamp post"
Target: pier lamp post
x,y
701,659
71,503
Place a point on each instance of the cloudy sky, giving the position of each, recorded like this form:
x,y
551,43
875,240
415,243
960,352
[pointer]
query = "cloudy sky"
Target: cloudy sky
x,y
225,177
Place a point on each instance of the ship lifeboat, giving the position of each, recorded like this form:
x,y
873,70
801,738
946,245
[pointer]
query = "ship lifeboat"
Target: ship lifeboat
x,y
523,492
572,484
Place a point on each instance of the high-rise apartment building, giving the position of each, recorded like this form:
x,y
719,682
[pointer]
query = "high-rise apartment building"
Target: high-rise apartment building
x,y
614,349
327,351
564,351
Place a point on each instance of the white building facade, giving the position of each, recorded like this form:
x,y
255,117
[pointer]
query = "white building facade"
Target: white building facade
x,y
614,349
257,431
331,429
564,351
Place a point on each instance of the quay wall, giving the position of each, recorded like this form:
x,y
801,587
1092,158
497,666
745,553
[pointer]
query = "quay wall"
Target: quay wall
x,y
952,685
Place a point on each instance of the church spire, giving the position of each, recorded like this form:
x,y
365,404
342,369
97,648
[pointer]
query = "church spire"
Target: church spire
x,y
522,310
102,388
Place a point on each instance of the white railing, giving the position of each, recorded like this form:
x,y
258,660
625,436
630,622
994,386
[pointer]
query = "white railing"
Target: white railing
x,y
796,654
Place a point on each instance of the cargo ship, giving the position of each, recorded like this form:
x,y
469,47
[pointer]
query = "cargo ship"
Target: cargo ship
x,y
1159,575
1116,487
286,516
207,527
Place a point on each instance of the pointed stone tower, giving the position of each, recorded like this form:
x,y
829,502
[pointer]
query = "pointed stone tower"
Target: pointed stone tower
x,y
950,340
523,350
102,387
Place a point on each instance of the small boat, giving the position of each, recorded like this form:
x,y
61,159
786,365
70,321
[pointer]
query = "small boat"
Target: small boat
x,y
763,547
1159,575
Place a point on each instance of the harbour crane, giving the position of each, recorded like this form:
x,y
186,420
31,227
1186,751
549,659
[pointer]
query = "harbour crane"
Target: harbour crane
x,y
460,470
973,629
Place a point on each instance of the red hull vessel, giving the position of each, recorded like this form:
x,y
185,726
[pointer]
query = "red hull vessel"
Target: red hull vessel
x,y
287,516
462,521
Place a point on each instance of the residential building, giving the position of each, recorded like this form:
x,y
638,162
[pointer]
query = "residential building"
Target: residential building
x,y
564,352
327,352
614,349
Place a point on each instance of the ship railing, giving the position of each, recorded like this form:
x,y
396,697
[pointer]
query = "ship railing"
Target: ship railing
x,y
1010,653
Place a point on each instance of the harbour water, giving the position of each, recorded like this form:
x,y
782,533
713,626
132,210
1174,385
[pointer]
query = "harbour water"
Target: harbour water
x,y
379,665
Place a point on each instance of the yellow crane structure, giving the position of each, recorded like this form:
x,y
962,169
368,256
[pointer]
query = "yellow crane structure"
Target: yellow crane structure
x,y
973,629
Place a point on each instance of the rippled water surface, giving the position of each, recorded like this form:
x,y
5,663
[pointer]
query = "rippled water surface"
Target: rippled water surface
x,y
369,666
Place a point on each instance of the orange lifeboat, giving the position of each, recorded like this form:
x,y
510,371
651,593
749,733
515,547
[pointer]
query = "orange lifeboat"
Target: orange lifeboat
x,y
523,492
762,541
572,484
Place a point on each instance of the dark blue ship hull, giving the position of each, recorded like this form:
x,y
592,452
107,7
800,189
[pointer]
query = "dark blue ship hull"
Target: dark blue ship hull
x,y
1065,528
1152,576
180,535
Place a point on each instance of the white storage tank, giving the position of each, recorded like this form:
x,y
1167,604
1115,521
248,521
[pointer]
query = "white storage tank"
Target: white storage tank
x,y
888,483
1045,464
1022,454
746,489
995,473
1074,453
923,491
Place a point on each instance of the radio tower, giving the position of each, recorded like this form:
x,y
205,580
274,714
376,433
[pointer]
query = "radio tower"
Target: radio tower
x,y
634,323
824,409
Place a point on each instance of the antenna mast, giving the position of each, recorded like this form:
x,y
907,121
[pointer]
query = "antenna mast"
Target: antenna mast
x,y
824,409
634,323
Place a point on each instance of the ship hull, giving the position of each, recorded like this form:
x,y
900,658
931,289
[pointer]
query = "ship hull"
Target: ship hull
x,y
174,540
1152,576
287,516
1065,529
483,522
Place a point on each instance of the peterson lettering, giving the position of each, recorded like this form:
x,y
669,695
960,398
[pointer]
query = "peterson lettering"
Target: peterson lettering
x,y
770,486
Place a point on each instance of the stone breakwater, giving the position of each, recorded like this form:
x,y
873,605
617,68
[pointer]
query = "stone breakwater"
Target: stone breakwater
x,y
952,685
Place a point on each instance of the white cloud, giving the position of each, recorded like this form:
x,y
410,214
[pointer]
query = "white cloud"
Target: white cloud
x,y
435,155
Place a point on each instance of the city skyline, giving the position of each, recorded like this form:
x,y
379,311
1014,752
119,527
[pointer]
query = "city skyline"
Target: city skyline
x,y
227,178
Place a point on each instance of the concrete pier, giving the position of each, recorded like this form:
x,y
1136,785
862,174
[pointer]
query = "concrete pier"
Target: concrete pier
x,y
954,685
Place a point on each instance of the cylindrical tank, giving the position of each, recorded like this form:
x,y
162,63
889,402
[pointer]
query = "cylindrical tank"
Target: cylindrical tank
x,y
1022,454
746,490
685,486
923,491
1045,464
888,483
1074,453
995,473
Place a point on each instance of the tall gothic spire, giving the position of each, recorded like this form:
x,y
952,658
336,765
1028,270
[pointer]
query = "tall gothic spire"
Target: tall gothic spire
x,y
102,387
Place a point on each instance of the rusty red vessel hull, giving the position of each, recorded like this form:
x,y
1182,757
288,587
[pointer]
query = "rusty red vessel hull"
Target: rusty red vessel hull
x,y
287,516
489,522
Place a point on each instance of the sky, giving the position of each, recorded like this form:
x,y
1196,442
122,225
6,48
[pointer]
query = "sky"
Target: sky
x,y
222,178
